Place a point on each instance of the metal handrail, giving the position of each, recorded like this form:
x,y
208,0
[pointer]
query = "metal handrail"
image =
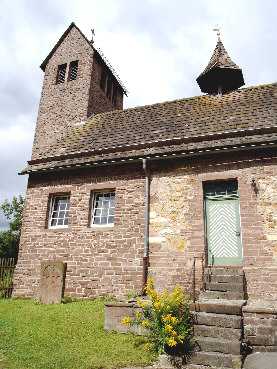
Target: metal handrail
x,y
202,257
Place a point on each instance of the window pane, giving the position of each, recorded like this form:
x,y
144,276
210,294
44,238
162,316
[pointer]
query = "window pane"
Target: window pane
x,y
54,222
103,212
111,220
96,220
103,220
59,216
97,212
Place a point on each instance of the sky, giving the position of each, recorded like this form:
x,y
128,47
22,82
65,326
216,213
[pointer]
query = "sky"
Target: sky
x,y
157,47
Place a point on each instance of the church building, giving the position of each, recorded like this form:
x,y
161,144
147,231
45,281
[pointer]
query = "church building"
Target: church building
x,y
121,195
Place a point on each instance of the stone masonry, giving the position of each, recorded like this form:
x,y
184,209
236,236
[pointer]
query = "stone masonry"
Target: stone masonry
x,y
65,104
177,219
100,261
109,261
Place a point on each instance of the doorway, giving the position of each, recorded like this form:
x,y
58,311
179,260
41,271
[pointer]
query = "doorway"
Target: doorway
x,y
223,228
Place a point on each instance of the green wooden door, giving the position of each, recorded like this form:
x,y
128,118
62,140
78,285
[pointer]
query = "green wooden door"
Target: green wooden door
x,y
223,230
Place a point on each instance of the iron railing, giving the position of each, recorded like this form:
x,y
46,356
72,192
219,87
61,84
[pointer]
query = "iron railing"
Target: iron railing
x,y
202,257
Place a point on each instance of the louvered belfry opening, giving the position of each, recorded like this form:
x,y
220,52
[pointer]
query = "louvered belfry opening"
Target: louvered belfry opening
x,y
221,74
61,73
73,70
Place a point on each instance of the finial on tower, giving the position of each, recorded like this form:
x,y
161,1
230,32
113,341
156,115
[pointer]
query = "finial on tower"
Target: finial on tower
x,y
221,74
92,36
217,30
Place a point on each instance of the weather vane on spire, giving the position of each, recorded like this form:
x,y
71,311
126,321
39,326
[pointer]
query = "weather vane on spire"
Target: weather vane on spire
x,y
92,35
217,29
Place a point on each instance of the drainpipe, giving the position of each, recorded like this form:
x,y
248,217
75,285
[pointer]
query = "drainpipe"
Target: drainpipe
x,y
146,236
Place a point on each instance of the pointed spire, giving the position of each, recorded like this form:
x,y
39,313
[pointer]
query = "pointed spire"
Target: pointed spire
x,y
221,74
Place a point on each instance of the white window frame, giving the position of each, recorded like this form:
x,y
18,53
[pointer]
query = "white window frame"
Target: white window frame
x,y
93,208
53,199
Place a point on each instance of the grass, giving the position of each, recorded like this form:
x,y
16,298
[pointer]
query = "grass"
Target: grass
x,y
64,336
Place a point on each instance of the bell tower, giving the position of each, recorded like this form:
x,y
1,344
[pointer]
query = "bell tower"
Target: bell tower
x,y
221,74
78,82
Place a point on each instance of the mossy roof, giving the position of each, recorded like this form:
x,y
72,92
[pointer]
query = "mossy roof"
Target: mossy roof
x,y
243,116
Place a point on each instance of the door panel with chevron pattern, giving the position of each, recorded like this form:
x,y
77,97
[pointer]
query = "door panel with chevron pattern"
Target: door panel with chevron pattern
x,y
223,230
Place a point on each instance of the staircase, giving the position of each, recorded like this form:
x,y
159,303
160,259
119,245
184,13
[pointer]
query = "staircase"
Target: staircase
x,y
217,319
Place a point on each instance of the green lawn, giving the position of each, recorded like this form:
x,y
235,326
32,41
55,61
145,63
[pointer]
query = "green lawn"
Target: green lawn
x,y
64,336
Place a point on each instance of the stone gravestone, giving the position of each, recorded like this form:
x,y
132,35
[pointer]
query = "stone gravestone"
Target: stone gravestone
x,y
52,279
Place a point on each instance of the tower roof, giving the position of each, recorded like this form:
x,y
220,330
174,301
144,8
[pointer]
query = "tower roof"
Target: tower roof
x,y
221,73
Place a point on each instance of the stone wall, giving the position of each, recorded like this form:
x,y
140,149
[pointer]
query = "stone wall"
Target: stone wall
x,y
62,105
100,261
177,220
260,325
110,261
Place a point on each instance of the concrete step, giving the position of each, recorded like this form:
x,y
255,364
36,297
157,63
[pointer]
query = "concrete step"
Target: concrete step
x,y
219,320
233,307
211,344
216,359
224,278
224,287
215,295
217,332
224,271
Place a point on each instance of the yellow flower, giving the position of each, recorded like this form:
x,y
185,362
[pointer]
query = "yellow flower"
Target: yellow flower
x,y
126,321
173,319
171,342
139,302
168,328
138,314
158,305
145,323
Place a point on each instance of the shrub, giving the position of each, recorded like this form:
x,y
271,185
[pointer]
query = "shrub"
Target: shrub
x,y
167,319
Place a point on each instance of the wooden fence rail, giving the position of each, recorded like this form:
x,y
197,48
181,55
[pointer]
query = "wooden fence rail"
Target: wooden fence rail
x,y
7,266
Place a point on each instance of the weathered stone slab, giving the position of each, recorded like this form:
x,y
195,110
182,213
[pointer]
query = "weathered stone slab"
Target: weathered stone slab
x,y
218,307
224,278
265,360
217,332
116,311
220,320
221,295
216,359
210,344
224,271
226,286
52,280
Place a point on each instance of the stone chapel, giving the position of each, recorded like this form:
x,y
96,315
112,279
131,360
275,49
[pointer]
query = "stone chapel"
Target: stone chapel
x,y
120,195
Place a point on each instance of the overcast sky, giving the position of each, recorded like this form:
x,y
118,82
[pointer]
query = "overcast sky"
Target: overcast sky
x,y
157,47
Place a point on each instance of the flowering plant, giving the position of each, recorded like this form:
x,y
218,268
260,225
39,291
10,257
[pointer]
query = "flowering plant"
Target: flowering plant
x,y
167,318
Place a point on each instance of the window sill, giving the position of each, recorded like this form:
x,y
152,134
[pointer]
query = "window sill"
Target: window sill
x,y
101,228
58,229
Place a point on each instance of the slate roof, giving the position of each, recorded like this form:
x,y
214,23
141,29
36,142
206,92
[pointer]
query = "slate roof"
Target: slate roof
x,y
242,118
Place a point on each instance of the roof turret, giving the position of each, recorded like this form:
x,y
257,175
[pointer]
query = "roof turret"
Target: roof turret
x,y
221,74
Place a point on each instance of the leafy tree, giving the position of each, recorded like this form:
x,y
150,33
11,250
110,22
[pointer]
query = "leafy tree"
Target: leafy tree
x,y
9,240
